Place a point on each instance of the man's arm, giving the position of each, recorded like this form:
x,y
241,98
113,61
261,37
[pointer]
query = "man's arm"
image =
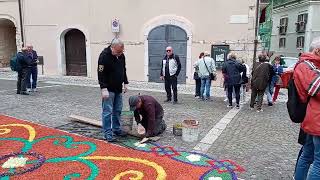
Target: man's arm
x,y
307,80
137,117
213,65
125,72
102,72
35,55
179,65
161,70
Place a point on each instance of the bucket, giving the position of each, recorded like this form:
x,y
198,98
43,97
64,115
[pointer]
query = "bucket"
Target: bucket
x,y
177,129
190,130
126,121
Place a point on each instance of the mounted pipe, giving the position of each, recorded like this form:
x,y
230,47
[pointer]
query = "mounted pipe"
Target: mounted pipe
x,y
21,22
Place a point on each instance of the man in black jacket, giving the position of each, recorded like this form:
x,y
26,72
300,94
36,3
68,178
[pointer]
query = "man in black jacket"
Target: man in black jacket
x,y
33,75
170,69
23,73
113,79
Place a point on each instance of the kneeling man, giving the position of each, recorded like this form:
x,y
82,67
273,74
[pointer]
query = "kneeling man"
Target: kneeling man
x,y
151,112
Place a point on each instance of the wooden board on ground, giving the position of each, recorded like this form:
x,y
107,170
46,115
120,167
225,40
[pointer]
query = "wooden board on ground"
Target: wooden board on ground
x,y
82,119
97,123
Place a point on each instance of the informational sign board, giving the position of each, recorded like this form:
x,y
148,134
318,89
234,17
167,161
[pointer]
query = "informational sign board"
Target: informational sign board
x,y
219,53
115,26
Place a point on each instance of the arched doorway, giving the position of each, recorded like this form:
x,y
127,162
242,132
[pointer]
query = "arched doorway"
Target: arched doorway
x,y
158,39
75,53
8,45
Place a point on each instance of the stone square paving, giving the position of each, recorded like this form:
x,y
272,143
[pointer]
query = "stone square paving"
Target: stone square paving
x,y
265,144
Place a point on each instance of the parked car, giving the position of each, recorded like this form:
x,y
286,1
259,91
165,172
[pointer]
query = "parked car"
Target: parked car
x,y
290,62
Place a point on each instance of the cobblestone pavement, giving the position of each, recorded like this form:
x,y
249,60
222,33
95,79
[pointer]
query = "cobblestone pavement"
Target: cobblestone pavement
x,y
52,106
263,143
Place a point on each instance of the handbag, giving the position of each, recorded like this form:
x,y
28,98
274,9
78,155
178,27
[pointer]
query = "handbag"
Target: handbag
x,y
211,75
196,76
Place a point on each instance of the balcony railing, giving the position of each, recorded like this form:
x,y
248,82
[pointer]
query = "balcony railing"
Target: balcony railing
x,y
277,3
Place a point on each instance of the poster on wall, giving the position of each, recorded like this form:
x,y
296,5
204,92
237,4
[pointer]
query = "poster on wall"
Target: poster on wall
x,y
219,53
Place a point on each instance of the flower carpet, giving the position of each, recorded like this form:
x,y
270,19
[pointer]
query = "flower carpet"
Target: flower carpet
x,y
32,151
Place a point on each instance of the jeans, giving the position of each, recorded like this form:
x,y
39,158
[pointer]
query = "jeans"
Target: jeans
x,y
23,80
236,89
243,92
198,87
309,162
171,82
205,87
111,114
33,75
269,92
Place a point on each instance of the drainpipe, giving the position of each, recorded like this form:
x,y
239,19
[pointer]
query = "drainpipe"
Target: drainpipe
x,y
21,23
256,32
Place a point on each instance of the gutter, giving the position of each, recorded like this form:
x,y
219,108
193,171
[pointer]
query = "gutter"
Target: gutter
x,y
21,23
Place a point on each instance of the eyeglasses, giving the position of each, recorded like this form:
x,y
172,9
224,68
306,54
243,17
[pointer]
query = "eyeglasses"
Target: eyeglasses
x,y
168,50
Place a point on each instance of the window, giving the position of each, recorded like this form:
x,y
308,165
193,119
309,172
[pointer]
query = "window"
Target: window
x,y
301,24
283,26
282,42
300,42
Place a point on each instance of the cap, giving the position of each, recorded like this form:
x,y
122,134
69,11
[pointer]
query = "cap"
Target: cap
x,y
133,101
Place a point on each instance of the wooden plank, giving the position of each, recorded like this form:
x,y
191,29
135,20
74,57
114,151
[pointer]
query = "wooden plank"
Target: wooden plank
x,y
97,123
85,120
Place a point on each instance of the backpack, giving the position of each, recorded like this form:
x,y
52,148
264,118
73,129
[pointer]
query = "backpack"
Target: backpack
x,y
296,109
14,63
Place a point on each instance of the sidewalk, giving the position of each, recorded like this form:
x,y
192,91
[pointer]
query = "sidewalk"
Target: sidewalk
x,y
6,73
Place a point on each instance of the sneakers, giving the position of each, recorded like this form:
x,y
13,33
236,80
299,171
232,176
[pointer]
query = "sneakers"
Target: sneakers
x,y
120,133
28,90
34,90
260,110
238,106
229,106
270,104
168,100
24,93
111,139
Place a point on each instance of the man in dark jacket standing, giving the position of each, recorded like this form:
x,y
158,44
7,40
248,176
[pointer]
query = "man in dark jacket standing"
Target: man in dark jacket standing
x,y
170,69
232,70
33,75
261,77
23,73
113,79
151,112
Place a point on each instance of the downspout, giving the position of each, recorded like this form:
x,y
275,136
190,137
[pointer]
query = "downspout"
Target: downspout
x,y
256,33
21,23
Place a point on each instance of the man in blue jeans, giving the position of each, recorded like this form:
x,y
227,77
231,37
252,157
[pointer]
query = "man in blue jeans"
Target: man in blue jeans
x,y
113,80
206,66
33,75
